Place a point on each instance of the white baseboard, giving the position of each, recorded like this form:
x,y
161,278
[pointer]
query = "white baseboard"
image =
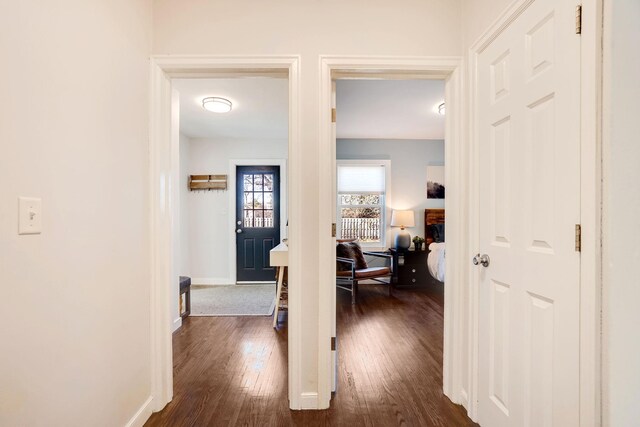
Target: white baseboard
x,y
177,323
211,281
309,401
143,414
464,399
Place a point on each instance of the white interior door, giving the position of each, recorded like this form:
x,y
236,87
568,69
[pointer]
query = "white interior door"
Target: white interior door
x,y
529,141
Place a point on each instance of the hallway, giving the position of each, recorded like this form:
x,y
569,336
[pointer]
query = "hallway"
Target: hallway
x,y
231,371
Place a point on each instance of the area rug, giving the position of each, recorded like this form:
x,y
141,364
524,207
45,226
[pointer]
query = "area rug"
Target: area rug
x,y
233,300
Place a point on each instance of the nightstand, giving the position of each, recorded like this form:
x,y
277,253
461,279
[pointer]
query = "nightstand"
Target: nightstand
x,y
409,268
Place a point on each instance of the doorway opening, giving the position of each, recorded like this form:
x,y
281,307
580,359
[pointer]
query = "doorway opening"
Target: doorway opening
x,y
218,145
232,195
390,251
338,70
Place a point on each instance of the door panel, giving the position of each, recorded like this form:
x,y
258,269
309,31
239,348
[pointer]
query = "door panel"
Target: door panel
x,y
529,142
499,347
257,221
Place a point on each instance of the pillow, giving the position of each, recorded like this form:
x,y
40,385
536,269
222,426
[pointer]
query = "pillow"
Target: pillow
x,y
361,263
343,250
353,251
437,232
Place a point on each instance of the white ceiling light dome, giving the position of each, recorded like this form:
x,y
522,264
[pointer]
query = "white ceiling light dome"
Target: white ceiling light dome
x,y
216,104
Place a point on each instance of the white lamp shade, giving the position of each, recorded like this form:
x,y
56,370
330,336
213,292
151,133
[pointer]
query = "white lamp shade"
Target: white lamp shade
x,y
402,219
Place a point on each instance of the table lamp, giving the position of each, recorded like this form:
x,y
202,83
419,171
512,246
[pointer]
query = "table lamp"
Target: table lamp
x,y
402,219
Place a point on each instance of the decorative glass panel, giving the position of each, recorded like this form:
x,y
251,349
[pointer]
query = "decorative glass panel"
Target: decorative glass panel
x,y
268,182
268,200
268,218
248,200
257,201
248,182
259,218
248,218
257,182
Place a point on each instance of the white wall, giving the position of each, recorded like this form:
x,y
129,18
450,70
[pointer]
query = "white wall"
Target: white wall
x,y
208,212
308,28
74,131
409,161
477,16
621,232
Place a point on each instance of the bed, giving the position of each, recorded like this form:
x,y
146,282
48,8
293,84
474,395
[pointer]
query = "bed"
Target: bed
x,y
435,241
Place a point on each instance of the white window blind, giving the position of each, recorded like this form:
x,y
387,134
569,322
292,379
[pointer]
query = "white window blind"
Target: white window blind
x,y
361,179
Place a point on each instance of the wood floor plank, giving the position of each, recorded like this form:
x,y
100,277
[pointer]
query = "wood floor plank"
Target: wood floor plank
x,y
232,371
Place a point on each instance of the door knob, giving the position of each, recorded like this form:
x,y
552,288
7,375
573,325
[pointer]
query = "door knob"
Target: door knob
x,y
481,259
239,230
239,222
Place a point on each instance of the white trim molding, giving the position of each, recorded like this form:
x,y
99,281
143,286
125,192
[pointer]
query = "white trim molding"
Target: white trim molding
x,y
177,323
450,70
163,150
590,209
309,400
590,213
142,414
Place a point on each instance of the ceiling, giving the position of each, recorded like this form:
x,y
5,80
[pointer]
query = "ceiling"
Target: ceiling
x,y
366,109
259,108
389,109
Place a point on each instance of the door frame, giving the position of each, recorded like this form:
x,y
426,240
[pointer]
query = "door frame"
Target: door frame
x,y
590,201
164,184
449,69
233,164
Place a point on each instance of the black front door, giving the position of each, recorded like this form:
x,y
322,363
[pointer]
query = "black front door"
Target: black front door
x,y
257,221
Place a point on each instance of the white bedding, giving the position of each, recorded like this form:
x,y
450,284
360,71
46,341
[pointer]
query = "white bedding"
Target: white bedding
x,y
435,260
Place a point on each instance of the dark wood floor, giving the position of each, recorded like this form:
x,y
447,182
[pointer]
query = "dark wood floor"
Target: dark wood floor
x,y
231,371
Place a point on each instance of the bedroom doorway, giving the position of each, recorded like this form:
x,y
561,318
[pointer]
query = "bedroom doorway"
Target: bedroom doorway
x,y
337,70
390,200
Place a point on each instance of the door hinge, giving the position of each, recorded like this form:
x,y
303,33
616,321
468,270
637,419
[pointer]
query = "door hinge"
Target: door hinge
x,y
333,343
578,237
333,230
333,115
579,19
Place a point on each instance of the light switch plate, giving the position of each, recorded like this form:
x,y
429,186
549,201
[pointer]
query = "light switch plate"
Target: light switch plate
x,y
30,215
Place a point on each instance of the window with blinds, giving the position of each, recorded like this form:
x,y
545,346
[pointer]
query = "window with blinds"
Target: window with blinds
x,y
361,201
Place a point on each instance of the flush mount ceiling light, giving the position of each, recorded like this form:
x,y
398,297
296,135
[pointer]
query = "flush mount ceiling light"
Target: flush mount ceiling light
x,y
216,104
441,109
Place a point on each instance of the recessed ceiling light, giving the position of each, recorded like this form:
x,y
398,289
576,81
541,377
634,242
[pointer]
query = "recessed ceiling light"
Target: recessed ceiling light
x,y
216,104
441,109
